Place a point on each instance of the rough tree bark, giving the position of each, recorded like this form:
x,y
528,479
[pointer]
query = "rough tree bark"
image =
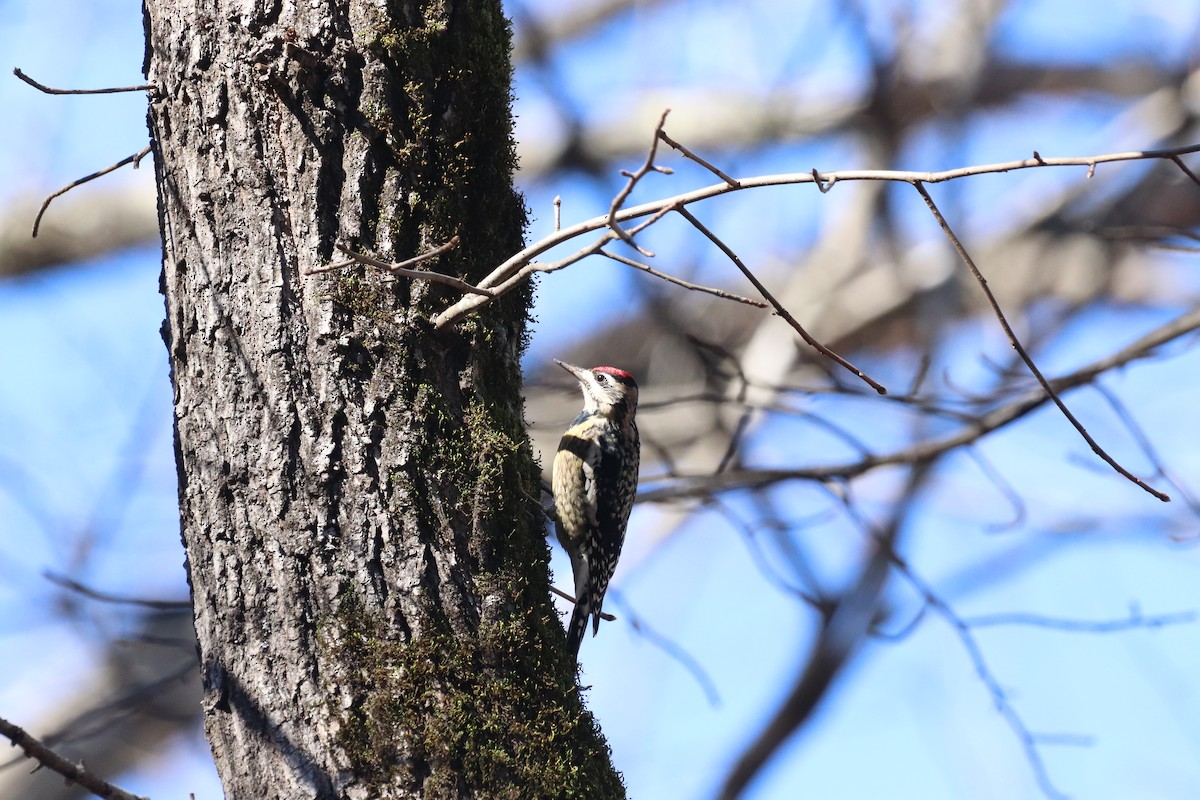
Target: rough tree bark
x,y
359,502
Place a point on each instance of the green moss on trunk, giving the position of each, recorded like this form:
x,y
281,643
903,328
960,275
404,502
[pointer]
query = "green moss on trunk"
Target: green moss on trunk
x,y
495,712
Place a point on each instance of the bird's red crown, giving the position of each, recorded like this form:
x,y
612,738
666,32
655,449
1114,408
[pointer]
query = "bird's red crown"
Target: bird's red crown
x,y
616,373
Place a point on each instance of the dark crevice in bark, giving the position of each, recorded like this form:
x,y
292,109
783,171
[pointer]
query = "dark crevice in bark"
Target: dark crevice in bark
x,y
335,477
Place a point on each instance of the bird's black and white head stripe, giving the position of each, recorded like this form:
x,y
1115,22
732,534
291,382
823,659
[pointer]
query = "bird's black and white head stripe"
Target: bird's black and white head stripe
x,y
607,391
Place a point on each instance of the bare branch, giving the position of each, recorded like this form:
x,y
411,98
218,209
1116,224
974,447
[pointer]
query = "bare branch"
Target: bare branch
x,y
107,597
134,159
515,267
676,145
402,268
1004,487
1184,168
1016,344
590,250
74,773
647,167
779,309
1143,440
702,485
672,649
571,599
1028,740
1134,621
695,287
145,87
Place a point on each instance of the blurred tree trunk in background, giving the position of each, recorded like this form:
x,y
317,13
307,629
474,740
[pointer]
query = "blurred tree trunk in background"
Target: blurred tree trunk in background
x,y
359,502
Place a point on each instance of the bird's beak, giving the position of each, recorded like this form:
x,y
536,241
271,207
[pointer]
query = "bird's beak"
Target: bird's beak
x,y
578,372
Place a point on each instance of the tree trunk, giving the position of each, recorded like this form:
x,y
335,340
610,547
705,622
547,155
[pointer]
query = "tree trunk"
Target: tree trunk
x,y
359,502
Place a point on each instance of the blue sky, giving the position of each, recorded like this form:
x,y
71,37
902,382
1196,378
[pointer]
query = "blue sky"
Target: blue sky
x,y
84,402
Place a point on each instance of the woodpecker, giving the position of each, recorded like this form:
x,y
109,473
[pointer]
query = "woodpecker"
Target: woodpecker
x,y
595,479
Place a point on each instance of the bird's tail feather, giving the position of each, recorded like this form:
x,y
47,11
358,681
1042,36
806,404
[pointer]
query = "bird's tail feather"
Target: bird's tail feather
x,y
577,627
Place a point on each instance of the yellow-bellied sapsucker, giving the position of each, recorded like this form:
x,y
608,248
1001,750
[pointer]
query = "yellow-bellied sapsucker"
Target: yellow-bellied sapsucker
x,y
595,479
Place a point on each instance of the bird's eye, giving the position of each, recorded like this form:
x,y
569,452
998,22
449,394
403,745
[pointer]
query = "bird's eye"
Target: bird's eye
x,y
601,378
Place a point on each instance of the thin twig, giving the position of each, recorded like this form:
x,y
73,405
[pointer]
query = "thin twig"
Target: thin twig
x,y
134,159
822,186
672,648
1134,621
557,213
695,287
1143,441
647,167
769,565
1179,163
653,218
1016,344
779,309
107,597
571,599
688,153
111,90
401,268
1004,487
74,773
391,266
590,250
739,397
1004,706
934,602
